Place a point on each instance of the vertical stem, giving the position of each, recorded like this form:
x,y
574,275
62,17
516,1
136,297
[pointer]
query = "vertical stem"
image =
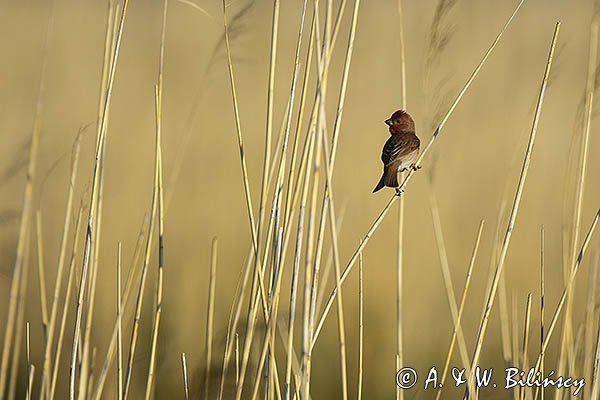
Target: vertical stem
x,y
525,340
119,329
99,161
63,321
360,325
210,315
515,207
41,273
158,197
185,376
29,375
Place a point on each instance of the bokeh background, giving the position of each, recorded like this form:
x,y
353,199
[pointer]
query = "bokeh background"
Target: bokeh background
x,y
474,161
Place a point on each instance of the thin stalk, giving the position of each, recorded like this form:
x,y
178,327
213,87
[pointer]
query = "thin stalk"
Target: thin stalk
x,y
99,161
237,358
295,274
596,373
447,278
147,256
566,345
29,365
257,278
45,387
119,330
542,302
269,122
185,376
272,321
327,204
568,287
21,304
361,325
84,365
31,372
24,227
326,274
282,163
515,207
41,273
160,196
460,309
590,318
525,340
63,321
210,315
127,294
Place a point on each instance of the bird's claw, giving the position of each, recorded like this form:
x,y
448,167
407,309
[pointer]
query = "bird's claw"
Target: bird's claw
x,y
399,191
416,167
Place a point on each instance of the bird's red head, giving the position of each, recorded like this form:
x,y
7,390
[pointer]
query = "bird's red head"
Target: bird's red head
x,y
400,121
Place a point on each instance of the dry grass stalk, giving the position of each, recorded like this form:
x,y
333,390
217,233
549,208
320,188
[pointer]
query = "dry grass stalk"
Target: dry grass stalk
x,y
402,187
109,46
566,350
112,348
147,255
447,277
542,304
185,376
29,365
278,197
460,309
568,287
270,327
269,122
210,315
119,329
328,203
596,371
257,276
253,252
295,274
63,321
590,318
259,267
514,210
400,249
20,322
360,327
156,211
298,246
160,198
41,271
97,177
45,387
23,230
237,358
525,341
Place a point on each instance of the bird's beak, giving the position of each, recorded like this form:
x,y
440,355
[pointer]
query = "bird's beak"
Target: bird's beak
x,y
388,122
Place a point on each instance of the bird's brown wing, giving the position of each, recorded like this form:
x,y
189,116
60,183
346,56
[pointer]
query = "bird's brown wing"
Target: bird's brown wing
x,y
398,146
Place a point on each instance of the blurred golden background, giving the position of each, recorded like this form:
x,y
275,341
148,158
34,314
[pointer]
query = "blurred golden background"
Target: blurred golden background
x,y
476,159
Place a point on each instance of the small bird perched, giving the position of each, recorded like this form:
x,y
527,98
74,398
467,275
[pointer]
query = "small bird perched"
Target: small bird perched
x,y
401,150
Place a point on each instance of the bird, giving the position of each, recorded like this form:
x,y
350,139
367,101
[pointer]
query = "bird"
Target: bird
x,y
400,151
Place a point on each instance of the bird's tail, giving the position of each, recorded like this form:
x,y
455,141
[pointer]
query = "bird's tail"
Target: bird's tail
x,y
389,178
380,185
